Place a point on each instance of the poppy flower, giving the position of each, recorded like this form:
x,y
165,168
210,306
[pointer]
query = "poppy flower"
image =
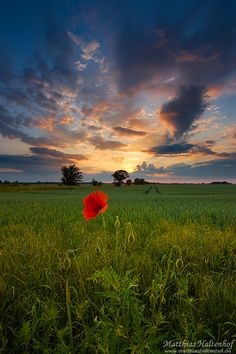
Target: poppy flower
x,y
94,204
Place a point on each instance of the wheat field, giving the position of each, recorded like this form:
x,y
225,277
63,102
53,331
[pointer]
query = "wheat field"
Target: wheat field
x,y
158,265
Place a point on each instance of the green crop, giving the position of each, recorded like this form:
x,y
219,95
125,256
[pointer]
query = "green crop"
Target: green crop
x,y
159,266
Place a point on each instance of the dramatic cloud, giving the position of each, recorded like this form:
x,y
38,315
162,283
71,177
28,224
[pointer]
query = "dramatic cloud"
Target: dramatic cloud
x,y
192,45
117,82
180,113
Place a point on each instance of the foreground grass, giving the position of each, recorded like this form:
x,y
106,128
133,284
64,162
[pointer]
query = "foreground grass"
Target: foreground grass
x,y
162,267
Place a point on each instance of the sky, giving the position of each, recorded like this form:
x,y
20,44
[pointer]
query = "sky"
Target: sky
x,y
144,86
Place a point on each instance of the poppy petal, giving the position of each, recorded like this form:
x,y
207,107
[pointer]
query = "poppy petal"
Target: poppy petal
x,y
95,203
103,209
90,214
100,197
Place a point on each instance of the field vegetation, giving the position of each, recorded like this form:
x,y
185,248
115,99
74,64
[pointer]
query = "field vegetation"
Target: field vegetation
x,y
155,266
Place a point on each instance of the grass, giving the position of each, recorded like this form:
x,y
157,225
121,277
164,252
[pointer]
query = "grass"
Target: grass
x,y
162,267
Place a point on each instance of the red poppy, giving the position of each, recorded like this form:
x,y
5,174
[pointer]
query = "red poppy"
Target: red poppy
x,y
94,204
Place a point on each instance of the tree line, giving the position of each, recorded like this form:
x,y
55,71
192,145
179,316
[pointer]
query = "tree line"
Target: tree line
x,y
71,176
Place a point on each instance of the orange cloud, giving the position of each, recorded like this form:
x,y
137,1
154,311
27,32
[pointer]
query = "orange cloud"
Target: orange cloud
x,y
138,123
10,170
46,123
97,110
66,120
217,90
214,91
162,175
167,119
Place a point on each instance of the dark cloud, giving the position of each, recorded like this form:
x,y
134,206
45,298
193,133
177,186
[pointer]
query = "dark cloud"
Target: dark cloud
x,y
128,132
31,163
15,95
44,163
10,127
195,45
52,69
7,76
182,148
56,153
36,98
222,168
173,149
61,54
182,111
219,168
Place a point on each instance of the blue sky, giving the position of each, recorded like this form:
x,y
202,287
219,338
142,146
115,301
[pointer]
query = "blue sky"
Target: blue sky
x,y
146,86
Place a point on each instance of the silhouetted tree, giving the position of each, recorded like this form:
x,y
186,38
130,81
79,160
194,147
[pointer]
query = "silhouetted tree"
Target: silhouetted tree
x,y
96,183
129,182
220,182
139,181
119,177
71,175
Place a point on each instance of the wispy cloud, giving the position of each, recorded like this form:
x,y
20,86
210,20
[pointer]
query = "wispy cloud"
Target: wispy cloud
x,y
128,132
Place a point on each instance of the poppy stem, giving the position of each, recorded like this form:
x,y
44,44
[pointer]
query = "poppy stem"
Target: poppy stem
x,y
103,222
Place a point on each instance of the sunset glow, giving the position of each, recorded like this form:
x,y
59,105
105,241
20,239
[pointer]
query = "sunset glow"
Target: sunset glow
x,y
118,85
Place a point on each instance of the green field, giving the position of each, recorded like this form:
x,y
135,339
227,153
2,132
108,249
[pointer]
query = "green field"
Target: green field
x,y
157,267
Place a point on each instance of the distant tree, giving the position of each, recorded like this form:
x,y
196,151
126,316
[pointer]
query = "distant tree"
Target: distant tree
x,y
129,182
96,183
140,181
220,182
119,177
71,175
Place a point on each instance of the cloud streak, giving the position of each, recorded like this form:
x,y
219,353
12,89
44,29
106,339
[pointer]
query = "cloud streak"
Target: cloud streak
x,y
128,132
56,153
